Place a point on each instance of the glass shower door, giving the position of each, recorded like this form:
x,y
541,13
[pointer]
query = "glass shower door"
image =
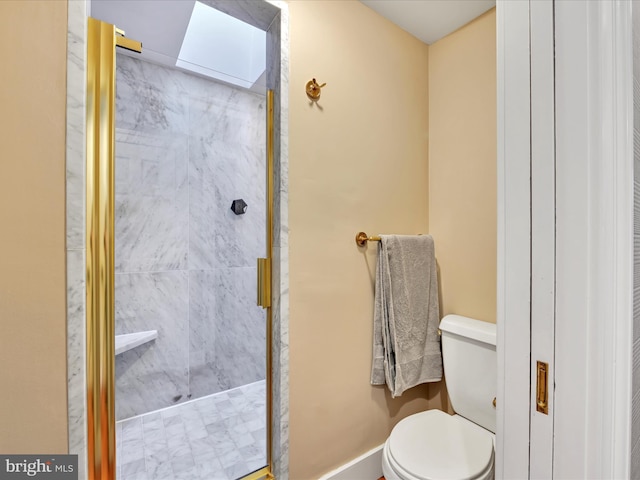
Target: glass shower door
x,y
190,222
190,215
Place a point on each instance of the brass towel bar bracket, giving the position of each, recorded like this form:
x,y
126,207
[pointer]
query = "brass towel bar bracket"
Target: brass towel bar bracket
x,y
362,239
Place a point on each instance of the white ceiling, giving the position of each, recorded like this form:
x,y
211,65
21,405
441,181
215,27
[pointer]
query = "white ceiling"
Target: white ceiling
x,y
430,20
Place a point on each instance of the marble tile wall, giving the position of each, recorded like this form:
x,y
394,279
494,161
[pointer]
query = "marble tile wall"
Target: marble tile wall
x,y
75,242
155,374
258,14
152,201
232,353
278,80
186,147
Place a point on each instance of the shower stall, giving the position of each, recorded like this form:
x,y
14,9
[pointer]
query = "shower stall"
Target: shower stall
x,y
191,195
187,148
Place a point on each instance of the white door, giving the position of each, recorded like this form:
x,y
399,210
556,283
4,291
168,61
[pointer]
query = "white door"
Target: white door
x,y
543,239
565,237
514,239
526,233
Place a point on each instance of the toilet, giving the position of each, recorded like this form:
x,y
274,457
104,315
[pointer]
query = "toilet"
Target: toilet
x,y
434,445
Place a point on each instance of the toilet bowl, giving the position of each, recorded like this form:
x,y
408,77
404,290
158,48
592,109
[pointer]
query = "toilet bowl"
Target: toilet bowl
x,y
434,445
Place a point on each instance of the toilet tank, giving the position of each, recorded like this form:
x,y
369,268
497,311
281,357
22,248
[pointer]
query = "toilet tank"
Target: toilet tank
x,y
470,368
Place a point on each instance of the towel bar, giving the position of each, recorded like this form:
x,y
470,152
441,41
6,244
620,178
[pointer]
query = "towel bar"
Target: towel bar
x,y
362,239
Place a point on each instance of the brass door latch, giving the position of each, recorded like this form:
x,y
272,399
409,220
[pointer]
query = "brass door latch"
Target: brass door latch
x,y
542,394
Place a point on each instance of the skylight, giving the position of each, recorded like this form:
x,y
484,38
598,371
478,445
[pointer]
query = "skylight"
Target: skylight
x,y
216,42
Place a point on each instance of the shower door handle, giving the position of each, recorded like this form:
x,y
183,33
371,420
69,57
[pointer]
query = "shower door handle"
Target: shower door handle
x,y
264,282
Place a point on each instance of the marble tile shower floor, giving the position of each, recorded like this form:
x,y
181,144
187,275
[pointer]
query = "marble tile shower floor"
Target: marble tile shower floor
x,y
218,437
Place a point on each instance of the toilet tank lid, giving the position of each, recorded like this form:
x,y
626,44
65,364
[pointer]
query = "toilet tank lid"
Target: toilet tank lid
x,y
470,328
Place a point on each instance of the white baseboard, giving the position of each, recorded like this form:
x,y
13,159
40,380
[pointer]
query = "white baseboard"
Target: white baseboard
x,y
367,466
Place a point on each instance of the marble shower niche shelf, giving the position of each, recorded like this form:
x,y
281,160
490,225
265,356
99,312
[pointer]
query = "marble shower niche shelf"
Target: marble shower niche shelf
x,y
128,341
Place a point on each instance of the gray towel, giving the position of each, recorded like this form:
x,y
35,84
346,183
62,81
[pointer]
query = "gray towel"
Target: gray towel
x,y
406,344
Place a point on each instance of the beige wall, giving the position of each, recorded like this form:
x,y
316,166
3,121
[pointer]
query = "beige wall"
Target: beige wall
x,y
33,410
462,167
358,161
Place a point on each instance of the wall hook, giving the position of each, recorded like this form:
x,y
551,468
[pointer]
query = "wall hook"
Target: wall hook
x,y
313,89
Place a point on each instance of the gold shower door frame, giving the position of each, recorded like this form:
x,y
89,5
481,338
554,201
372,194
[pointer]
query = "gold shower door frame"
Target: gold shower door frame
x,y
102,40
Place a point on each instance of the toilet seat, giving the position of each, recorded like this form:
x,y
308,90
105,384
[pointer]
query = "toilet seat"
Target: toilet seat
x,y
433,445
